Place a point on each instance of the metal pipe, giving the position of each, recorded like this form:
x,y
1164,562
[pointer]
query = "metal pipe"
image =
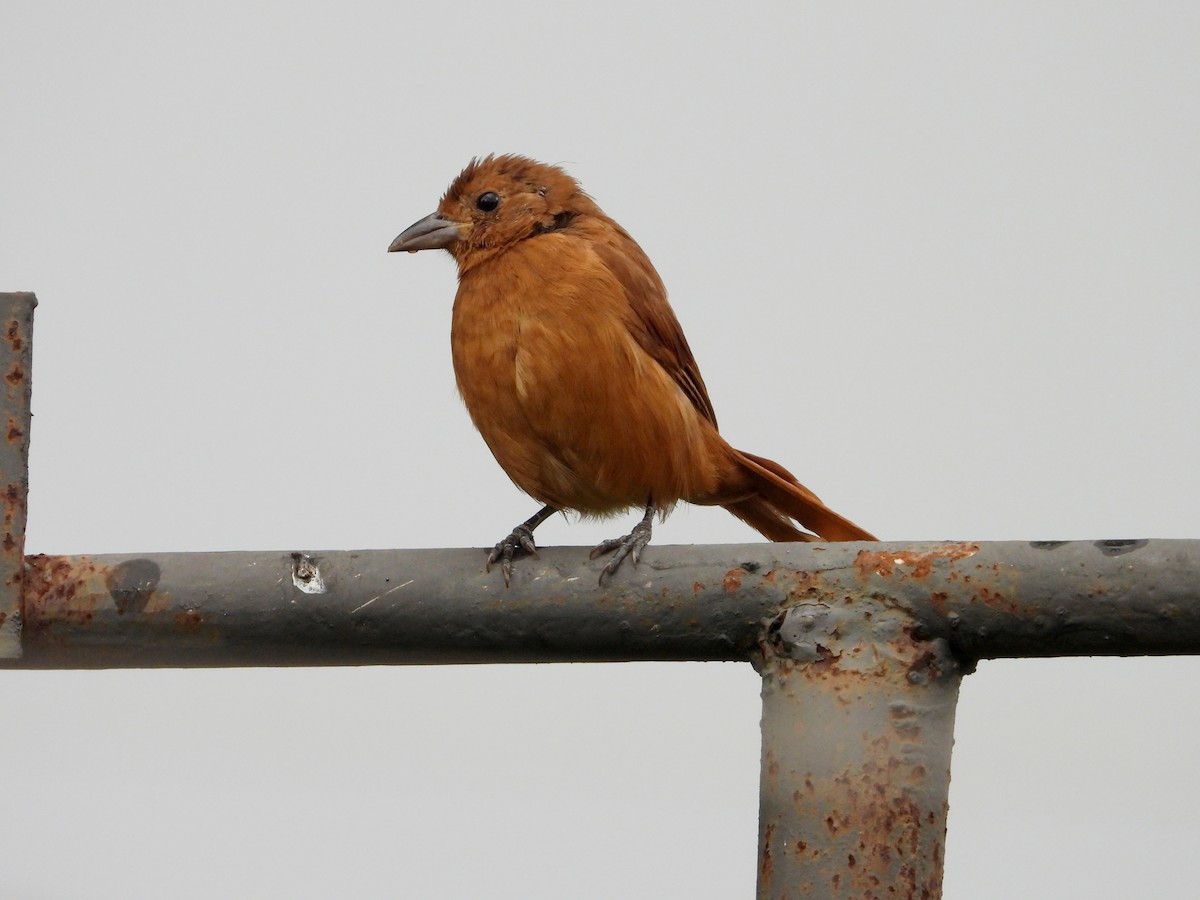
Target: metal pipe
x,y
16,351
857,727
385,606
684,603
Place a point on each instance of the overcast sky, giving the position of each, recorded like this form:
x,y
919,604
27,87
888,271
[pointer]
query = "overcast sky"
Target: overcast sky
x,y
942,260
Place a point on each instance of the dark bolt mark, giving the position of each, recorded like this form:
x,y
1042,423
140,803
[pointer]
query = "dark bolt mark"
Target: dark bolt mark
x,y
305,566
1047,545
306,574
776,624
773,635
1116,548
131,583
751,567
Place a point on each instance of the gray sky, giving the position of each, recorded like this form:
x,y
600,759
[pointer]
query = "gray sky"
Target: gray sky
x,y
940,260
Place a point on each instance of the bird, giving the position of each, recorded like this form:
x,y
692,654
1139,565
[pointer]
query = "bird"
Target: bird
x,y
576,372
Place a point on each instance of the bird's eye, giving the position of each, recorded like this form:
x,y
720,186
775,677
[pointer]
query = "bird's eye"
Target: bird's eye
x,y
488,202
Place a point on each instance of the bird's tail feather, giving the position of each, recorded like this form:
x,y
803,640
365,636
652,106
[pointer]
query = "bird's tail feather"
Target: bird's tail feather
x,y
779,501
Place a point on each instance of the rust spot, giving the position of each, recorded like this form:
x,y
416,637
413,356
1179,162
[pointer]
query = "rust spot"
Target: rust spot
x,y
52,584
70,590
14,335
733,580
803,585
851,861
925,667
826,658
15,375
14,504
766,866
919,565
188,620
996,600
10,543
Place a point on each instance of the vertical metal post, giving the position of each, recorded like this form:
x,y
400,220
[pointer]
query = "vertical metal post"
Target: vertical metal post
x,y
858,722
16,320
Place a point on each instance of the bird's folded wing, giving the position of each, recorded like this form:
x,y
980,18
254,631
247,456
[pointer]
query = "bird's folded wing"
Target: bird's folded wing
x,y
651,321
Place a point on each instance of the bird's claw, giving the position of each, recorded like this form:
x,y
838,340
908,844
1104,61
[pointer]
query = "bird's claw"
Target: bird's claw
x,y
630,545
518,542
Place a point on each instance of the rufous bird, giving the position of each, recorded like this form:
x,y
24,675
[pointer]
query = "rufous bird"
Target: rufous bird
x,y
577,374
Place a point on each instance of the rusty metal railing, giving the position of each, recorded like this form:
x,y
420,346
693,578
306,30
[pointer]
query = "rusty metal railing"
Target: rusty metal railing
x,y
16,348
861,647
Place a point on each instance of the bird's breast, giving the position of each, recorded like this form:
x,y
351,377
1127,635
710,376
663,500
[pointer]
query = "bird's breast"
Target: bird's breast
x,y
574,410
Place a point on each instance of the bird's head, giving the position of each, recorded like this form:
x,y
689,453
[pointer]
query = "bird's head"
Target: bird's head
x,y
494,203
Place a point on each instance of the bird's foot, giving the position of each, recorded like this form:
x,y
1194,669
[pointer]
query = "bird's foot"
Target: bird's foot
x,y
518,543
630,545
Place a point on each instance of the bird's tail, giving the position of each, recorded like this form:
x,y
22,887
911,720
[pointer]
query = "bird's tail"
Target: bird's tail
x,y
780,501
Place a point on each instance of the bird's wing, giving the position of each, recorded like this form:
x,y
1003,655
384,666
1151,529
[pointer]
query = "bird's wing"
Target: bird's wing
x,y
651,321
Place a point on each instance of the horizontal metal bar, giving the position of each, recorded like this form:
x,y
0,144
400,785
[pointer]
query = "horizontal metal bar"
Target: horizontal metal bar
x,y
694,603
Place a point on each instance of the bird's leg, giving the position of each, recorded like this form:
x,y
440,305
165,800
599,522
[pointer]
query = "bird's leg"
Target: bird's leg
x,y
520,541
631,544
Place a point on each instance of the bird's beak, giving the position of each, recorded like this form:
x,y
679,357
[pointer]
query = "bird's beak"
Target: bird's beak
x,y
434,232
